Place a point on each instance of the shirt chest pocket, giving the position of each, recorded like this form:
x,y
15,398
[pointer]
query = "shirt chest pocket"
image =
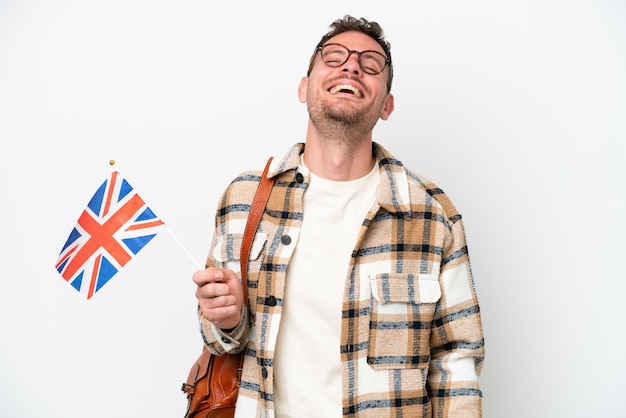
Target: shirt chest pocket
x,y
227,253
403,307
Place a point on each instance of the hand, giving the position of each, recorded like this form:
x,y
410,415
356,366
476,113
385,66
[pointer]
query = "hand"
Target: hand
x,y
220,296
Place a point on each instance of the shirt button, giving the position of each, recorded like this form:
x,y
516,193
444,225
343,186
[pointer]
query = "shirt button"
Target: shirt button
x,y
225,340
299,178
285,239
264,372
271,301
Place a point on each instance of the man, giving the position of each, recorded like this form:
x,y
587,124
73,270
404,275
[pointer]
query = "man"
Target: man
x,y
361,296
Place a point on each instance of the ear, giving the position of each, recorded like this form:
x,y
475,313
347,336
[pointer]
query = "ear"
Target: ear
x,y
387,107
302,89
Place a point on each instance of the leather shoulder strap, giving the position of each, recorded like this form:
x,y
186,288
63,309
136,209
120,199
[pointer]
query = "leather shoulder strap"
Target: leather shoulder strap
x,y
256,211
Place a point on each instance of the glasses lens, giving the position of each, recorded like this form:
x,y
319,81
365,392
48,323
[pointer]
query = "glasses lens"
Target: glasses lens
x,y
334,55
372,62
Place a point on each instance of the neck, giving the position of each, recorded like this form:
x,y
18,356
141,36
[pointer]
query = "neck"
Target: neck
x,y
338,157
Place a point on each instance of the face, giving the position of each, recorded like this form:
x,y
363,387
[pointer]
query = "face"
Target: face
x,y
346,94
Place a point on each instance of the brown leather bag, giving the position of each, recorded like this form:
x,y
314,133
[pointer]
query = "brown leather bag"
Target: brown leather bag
x,y
213,382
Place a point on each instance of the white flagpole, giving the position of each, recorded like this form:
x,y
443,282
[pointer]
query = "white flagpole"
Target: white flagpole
x,y
180,244
167,228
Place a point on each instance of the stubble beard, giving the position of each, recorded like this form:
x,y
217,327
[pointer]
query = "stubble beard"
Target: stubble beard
x,y
340,122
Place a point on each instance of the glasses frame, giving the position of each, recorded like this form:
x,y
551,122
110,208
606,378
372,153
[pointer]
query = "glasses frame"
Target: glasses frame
x,y
350,52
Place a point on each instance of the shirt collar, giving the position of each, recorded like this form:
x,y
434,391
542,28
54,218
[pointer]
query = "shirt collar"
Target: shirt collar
x,y
393,189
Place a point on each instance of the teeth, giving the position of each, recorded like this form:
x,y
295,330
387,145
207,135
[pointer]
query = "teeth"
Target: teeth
x,y
348,87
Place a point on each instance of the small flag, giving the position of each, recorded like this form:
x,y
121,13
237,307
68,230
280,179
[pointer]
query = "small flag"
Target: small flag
x,y
113,228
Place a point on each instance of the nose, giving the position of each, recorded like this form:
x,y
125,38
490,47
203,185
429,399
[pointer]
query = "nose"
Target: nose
x,y
352,65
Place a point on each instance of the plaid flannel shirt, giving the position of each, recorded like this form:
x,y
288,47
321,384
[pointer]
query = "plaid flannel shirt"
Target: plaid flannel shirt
x,y
411,338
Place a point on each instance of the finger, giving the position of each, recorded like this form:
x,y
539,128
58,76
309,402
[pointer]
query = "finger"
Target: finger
x,y
213,289
219,316
219,302
208,275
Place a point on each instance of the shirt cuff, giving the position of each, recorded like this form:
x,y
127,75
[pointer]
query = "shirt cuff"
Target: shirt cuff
x,y
224,340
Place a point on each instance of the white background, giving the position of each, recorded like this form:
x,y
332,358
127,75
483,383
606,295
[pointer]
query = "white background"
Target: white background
x,y
515,109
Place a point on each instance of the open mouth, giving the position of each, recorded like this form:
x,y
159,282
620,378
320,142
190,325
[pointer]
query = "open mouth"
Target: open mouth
x,y
345,88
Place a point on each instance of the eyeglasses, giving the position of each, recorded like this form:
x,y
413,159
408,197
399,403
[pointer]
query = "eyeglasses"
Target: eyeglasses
x,y
371,62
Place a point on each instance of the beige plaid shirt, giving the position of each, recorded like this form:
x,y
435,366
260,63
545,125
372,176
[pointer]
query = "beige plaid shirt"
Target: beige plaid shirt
x,y
411,338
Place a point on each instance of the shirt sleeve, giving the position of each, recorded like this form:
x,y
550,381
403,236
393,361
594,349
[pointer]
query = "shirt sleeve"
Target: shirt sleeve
x,y
217,340
456,343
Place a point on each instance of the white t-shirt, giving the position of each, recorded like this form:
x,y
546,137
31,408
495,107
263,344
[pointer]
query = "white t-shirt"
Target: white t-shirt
x,y
307,363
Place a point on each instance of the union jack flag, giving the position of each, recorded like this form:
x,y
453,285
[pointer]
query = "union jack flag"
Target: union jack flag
x,y
113,228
